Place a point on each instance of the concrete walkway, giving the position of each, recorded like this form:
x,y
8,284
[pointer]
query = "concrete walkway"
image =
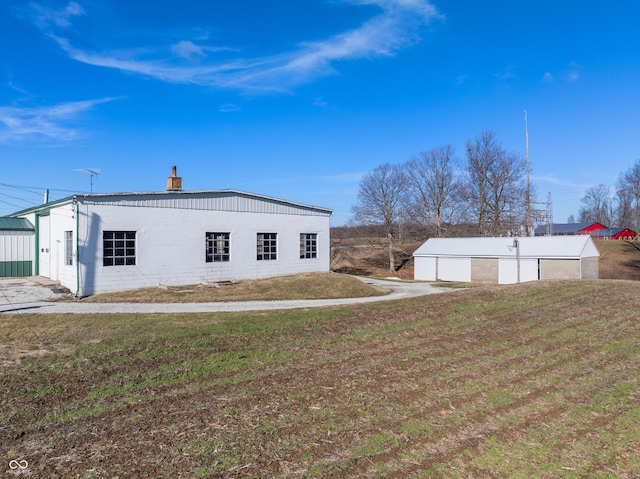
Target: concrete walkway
x,y
34,295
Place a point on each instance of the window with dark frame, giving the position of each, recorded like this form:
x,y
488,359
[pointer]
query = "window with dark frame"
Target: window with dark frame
x,y
308,245
266,246
68,248
217,247
119,248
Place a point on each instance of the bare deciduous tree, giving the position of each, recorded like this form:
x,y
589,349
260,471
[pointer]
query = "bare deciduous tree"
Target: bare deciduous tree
x,y
481,155
380,200
597,207
434,188
507,205
628,198
494,189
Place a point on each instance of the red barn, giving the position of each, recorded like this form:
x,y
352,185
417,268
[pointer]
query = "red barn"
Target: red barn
x,y
568,229
613,234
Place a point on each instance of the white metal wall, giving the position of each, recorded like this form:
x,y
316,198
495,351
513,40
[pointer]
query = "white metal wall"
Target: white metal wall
x,y
170,246
16,245
220,201
508,270
454,269
62,219
50,229
424,268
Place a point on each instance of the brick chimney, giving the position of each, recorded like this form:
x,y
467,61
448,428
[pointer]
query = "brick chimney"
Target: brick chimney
x,y
174,183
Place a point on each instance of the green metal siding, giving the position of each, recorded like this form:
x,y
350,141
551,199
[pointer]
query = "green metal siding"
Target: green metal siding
x,y
15,224
10,269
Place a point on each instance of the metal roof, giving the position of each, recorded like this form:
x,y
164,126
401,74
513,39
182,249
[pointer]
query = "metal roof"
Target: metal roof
x,y
606,232
580,246
43,206
563,228
167,199
15,224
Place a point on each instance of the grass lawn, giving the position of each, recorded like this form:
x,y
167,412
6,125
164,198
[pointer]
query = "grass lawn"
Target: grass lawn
x,y
299,286
525,381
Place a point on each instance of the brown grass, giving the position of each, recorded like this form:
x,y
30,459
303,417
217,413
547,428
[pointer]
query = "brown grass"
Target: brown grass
x,y
372,259
619,259
301,286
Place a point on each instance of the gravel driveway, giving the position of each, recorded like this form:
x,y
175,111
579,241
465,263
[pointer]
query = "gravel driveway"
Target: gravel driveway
x,y
34,295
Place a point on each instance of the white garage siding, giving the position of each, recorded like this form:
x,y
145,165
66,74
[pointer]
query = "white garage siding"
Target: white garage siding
x,y
426,269
508,270
16,247
454,269
524,259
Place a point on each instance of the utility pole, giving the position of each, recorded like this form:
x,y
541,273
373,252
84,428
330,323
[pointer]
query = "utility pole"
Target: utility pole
x,y
526,139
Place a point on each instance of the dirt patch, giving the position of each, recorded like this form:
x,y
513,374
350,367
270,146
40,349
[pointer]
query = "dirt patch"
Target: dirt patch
x,y
15,353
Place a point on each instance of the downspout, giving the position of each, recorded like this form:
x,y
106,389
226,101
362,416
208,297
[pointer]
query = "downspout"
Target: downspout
x,y
76,211
36,258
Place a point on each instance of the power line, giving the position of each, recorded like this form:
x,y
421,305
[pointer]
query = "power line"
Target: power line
x,y
35,189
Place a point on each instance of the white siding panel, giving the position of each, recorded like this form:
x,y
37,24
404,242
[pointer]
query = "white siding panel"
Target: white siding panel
x,y
425,268
16,245
508,270
528,270
454,269
62,219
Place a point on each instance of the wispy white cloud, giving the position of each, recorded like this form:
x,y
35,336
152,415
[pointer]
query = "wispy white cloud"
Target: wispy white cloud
x,y
570,74
462,79
187,49
507,74
57,122
46,17
573,71
190,50
229,108
396,26
560,182
320,103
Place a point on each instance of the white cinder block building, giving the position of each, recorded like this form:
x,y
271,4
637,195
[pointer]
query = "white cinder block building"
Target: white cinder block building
x,y
96,243
506,260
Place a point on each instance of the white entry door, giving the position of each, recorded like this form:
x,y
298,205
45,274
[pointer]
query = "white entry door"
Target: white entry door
x,y
44,246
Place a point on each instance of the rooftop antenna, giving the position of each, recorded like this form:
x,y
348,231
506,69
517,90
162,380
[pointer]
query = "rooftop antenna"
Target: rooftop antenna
x,y
92,172
526,140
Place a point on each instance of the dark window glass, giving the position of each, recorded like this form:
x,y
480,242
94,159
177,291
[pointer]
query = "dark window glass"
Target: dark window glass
x,y
118,248
267,246
217,247
308,245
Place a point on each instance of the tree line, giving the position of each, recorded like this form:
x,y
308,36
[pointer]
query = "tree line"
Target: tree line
x,y
486,190
485,193
620,208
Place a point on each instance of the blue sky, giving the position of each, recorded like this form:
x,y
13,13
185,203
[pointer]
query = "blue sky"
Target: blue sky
x,y
298,98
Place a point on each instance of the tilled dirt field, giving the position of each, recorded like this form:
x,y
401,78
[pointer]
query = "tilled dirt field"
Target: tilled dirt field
x,y
538,380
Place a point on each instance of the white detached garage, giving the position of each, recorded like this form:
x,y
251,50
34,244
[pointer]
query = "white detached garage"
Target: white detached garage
x,y
506,260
